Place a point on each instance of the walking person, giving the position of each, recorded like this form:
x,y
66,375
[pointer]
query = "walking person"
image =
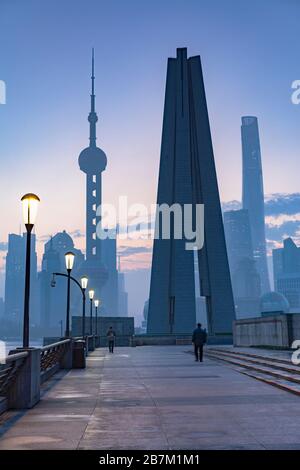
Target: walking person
x,y
111,336
199,338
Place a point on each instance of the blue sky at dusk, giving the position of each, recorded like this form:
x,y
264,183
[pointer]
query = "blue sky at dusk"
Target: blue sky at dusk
x,y
250,57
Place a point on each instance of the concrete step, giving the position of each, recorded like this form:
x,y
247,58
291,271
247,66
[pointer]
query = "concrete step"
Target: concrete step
x,y
253,355
263,360
289,377
282,384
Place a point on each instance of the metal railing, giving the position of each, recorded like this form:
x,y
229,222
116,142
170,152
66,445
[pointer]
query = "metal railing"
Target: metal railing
x,y
23,372
9,370
51,356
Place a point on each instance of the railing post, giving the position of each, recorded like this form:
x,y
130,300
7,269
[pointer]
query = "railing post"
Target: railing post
x,y
66,361
25,391
97,341
92,343
86,338
79,354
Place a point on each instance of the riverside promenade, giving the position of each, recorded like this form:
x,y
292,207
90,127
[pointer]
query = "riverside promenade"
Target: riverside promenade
x,y
158,398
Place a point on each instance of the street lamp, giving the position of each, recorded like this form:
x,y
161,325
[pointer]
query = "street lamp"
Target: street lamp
x,y
96,302
91,296
82,286
61,327
69,259
84,283
30,204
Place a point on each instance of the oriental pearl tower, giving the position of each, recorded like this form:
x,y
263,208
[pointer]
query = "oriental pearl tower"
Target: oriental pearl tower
x,y
92,161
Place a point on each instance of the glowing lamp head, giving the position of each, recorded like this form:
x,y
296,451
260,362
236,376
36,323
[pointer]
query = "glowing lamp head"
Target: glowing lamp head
x,y
30,203
69,258
91,294
96,303
84,282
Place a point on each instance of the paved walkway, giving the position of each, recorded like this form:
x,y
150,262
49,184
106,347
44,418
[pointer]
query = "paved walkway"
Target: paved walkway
x,y
155,398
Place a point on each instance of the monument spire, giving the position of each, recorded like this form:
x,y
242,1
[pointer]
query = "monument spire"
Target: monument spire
x,y
93,118
93,81
92,161
186,143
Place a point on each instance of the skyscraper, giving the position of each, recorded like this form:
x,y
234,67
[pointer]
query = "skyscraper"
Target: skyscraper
x,y
15,277
15,280
238,236
123,295
286,268
244,276
253,195
109,294
53,300
92,161
187,175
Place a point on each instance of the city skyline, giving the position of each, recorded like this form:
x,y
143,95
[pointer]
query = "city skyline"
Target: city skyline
x,y
130,123
150,230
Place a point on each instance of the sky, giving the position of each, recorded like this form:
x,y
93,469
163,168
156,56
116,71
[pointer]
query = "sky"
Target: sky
x,y
249,53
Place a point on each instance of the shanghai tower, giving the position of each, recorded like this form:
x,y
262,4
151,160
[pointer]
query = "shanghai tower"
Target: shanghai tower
x,y
187,176
253,195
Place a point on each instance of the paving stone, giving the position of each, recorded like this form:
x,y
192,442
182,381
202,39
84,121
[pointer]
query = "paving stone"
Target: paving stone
x,y
154,398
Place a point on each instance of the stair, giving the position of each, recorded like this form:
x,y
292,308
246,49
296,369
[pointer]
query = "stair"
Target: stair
x,y
276,371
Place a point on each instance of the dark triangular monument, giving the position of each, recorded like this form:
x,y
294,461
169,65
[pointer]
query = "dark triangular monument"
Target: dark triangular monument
x,y
187,175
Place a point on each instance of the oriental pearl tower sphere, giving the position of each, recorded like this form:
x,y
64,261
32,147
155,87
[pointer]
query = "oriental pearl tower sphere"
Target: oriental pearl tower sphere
x,y
92,161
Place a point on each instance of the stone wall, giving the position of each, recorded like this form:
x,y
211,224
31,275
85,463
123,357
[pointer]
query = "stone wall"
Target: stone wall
x,y
296,326
272,331
123,327
160,340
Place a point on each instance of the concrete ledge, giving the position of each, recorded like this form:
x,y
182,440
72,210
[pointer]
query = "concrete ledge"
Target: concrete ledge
x,y
220,339
167,340
269,331
160,340
25,391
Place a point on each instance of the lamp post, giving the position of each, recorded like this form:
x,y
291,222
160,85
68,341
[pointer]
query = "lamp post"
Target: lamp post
x,y
82,286
96,302
30,204
84,283
61,327
69,258
91,296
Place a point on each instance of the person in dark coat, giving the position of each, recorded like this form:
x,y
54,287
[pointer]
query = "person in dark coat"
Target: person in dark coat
x,y
199,339
111,336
